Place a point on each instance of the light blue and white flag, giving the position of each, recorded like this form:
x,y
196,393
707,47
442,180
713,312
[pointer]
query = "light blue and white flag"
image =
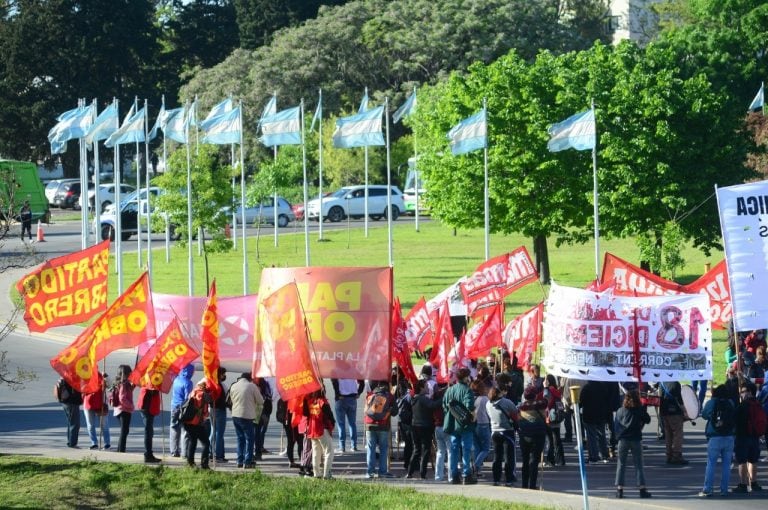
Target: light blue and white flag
x,y
359,130
470,134
71,124
282,128
224,129
575,132
173,125
364,102
406,109
158,121
223,107
131,131
103,126
759,99
269,109
318,117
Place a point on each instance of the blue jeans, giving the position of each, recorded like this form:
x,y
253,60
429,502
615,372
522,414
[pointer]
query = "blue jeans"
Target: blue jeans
x,y
218,426
91,420
701,386
374,438
442,442
149,433
625,446
482,443
463,441
346,414
72,411
718,447
244,430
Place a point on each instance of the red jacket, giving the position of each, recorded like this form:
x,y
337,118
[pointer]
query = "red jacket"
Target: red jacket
x,y
149,401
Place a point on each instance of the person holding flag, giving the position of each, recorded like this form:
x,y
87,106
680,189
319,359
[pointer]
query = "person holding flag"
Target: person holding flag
x,y
197,428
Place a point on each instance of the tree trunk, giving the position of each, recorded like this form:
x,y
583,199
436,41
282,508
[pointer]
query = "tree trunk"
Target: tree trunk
x,y
541,258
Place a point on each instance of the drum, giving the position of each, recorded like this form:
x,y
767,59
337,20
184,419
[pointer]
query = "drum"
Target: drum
x,y
690,402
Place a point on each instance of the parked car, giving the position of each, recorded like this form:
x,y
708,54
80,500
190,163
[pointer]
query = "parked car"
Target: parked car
x,y
142,198
106,194
350,201
68,196
129,222
265,213
53,187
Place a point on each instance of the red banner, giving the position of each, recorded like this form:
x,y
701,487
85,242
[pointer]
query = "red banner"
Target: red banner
x,y
400,352
495,279
630,280
169,354
66,290
523,334
418,331
444,345
210,337
282,332
348,313
128,322
484,335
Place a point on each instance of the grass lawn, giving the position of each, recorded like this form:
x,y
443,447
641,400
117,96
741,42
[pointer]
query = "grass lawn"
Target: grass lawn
x,y
425,263
27,482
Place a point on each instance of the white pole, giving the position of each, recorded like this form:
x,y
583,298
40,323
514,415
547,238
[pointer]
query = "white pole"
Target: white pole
x,y
575,393
274,202
486,201
96,179
242,206
306,192
146,182
389,190
83,186
365,206
167,220
320,164
594,199
138,187
190,260
234,209
118,222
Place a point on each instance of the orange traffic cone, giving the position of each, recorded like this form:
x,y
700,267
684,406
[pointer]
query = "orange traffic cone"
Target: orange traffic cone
x,y
40,235
227,231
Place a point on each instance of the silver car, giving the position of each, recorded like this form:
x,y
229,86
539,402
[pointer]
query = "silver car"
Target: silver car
x,y
265,212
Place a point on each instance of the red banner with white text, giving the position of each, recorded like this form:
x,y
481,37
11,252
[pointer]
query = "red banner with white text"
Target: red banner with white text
x,y
523,335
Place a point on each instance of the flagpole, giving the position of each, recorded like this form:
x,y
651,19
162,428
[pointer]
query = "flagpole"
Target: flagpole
x,y
389,189
146,182
234,210
165,169
304,166
486,207
416,172
96,178
594,199
274,201
242,205
83,185
365,204
190,261
320,163
118,222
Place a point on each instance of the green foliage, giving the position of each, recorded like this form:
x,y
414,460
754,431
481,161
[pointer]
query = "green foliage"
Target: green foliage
x,y
211,190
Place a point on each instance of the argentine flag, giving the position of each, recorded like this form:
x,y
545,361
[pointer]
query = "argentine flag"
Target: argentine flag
x,y
406,109
131,131
71,124
759,99
282,128
174,126
359,130
223,129
223,107
575,132
470,134
104,125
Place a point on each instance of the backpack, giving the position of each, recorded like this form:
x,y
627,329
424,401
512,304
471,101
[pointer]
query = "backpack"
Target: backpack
x,y
722,418
556,414
405,410
114,396
460,413
188,411
377,407
756,419
63,391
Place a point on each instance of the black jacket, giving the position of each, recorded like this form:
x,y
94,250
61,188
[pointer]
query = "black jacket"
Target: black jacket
x,y
629,423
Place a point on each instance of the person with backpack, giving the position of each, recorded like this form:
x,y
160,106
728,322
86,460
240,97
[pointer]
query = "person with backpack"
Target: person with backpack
x,y
320,423
97,412
263,422
555,416
672,415
423,407
720,414
630,419
70,400
750,426
198,426
149,405
403,400
533,431
122,401
502,414
459,425
380,406
182,387
482,437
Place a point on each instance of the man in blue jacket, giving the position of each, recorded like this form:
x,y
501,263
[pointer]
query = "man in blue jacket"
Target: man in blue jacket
x,y
461,434
182,387
720,414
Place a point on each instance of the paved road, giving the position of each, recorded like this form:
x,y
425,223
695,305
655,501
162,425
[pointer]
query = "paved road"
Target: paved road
x,y
32,423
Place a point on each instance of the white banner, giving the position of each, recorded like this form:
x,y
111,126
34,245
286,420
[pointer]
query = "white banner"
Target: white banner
x,y
590,335
744,222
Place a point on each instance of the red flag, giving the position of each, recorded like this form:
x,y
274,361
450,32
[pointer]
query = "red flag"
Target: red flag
x,y
400,352
160,364
484,335
128,322
523,334
210,337
443,344
281,329
715,284
66,290
418,332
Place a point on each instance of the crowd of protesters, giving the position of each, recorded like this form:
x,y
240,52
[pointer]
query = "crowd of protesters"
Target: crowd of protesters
x,y
483,411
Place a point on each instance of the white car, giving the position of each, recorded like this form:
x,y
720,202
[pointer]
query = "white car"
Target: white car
x,y
106,194
265,213
350,201
153,190
53,187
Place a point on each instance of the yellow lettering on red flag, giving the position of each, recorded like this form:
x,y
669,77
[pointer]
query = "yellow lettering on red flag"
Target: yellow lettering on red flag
x,y
160,364
210,337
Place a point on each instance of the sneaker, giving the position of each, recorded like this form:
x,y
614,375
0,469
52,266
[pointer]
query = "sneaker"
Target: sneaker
x,y
338,451
386,475
250,466
703,494
107,447
94,447
174,455
239,465
470,480
756,486
456,480
354,448
741,488
151,460
222,461
369,476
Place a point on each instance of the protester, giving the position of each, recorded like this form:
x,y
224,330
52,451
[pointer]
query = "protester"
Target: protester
x,y
482,437
197,428
720,414
422,429
263,422
246,401
533,431
754,340
182,387
534,378
672,415
25,216
219,420
403,401
442,440
70,400
750,426
345,394
752,371
594,413
320,423
149,404
629,422
502,413
123,409
293,439
461,434
97,412
379,409
555,415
